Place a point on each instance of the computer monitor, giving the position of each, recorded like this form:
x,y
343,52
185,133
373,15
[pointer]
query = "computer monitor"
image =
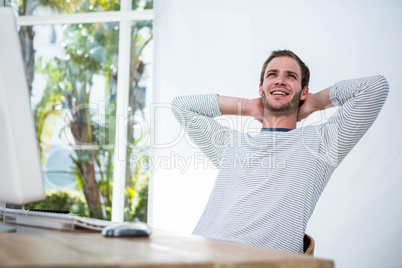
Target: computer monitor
x,y
21,179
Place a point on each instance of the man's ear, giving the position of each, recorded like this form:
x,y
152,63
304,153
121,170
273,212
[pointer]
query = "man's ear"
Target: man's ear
x,y
304,93
260,90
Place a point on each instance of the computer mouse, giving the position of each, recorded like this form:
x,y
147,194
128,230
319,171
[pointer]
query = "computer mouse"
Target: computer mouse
x,y
127,229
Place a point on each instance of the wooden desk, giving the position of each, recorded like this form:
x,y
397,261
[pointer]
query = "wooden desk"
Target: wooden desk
x,y
36,247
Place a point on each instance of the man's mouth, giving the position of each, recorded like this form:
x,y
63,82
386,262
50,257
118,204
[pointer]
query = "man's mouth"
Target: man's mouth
x,y
279,92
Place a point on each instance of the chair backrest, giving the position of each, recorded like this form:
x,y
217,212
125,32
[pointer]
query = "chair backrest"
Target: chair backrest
x,y
308,245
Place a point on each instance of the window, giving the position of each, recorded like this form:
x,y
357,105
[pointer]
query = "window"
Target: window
x,y
88,63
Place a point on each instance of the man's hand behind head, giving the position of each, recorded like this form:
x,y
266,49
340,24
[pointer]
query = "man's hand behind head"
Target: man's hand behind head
x,y
314,102
306,108
257,109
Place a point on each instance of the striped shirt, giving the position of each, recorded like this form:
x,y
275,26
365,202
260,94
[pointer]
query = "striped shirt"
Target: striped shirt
x,y
268,184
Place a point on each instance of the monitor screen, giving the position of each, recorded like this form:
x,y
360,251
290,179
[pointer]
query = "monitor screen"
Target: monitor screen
x,y
20,170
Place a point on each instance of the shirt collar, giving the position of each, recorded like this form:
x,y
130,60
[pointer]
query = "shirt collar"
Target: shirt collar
x,y
275,129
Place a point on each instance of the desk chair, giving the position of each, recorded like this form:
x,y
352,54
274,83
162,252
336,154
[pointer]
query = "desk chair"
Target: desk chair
x,y
308,245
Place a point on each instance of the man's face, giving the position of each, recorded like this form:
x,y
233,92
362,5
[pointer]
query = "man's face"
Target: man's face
x,y
281,90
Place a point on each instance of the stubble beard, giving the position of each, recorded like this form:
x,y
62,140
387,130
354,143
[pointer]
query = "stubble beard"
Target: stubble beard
x,y
291,106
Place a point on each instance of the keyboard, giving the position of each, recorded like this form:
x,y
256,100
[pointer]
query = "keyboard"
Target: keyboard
x,y
51,220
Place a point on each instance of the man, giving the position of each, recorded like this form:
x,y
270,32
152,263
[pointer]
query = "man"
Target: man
x,y
268,184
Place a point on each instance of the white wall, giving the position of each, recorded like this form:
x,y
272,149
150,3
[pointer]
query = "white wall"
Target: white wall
x,y
219,46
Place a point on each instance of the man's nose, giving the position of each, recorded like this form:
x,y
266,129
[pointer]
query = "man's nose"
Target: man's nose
x,y
280,80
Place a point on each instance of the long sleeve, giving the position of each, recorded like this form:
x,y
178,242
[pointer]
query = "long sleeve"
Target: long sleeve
x,y
360,101
195,114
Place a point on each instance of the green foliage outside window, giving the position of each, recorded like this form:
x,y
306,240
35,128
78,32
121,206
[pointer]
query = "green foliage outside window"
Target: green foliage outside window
x,y
89,50
62,200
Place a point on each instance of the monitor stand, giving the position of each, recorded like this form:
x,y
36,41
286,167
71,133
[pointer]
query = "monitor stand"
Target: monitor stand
x,y
6,228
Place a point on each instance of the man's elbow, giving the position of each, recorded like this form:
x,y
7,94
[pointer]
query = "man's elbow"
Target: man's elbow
x,y
382,87
382,83
178,108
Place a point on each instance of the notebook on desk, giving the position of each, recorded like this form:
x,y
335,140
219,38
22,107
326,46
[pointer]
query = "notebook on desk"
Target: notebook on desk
x,y
57,221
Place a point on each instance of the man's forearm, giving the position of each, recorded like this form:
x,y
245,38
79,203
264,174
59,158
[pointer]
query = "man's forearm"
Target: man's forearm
x,y
321,100
234,106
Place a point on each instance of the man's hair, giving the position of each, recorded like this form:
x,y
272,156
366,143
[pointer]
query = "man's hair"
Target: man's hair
x,y
305,72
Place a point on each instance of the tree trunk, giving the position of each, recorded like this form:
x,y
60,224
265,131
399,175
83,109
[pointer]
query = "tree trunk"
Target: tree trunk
x,y
91,189
28,53
85,163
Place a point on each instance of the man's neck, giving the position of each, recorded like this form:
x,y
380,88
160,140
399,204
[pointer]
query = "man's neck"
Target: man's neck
x,y
279,120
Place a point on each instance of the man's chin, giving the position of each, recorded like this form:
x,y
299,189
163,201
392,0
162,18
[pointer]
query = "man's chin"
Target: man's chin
x,y
276,108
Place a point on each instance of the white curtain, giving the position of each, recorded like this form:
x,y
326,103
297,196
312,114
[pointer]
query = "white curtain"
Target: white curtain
x,y
219,46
